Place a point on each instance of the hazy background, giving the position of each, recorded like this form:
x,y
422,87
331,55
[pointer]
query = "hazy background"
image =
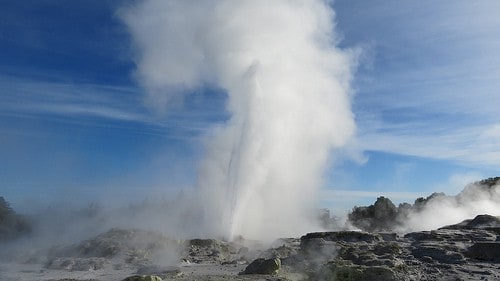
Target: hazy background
x,y
77,126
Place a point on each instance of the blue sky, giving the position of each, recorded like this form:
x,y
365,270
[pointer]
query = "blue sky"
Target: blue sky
x,y
73,122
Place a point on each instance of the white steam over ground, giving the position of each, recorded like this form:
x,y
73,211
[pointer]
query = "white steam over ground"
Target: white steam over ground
x,y
446,210
288,96
432,212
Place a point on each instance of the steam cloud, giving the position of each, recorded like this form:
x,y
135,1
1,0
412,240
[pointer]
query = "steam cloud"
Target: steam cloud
x,y
474,200
288,96
479,198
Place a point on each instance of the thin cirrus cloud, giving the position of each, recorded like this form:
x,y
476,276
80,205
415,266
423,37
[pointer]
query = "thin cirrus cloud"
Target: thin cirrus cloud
x,y
21,94
430,86
97,106
468,146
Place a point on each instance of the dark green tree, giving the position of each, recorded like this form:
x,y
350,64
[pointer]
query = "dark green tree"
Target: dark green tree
x,y
11,224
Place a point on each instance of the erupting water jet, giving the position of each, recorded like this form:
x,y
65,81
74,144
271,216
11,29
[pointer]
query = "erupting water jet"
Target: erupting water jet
x,y
288,95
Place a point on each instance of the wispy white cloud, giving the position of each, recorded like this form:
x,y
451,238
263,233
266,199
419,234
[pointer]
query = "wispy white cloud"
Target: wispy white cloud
x,y
469,145
97,105
432,86
92,111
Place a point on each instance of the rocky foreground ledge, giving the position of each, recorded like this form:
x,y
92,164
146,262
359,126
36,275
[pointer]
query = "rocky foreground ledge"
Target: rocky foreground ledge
x,y
466,251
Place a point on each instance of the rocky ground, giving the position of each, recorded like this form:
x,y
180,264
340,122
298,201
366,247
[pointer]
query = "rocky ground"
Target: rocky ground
x,y
466,251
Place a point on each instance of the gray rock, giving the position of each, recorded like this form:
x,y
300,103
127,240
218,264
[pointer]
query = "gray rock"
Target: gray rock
x,y
263,266
444,254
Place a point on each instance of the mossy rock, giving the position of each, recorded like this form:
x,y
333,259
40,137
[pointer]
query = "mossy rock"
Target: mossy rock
x,y
337,272
263,266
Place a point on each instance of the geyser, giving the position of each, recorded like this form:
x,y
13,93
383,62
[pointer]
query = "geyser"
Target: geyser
x,y
288,96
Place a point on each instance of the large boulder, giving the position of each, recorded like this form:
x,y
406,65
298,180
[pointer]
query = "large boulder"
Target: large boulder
x,y
263,266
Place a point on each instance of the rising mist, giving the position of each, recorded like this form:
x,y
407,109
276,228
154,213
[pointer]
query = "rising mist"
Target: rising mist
x,y
288,96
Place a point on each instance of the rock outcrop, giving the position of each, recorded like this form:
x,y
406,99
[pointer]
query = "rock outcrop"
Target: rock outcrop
x,y
263,266
444,254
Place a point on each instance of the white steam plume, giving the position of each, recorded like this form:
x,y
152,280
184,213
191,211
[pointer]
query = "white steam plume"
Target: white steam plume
x,y
472,201
288,95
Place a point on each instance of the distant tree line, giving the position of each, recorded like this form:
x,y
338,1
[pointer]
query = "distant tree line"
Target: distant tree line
x,y
11,224
490,181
